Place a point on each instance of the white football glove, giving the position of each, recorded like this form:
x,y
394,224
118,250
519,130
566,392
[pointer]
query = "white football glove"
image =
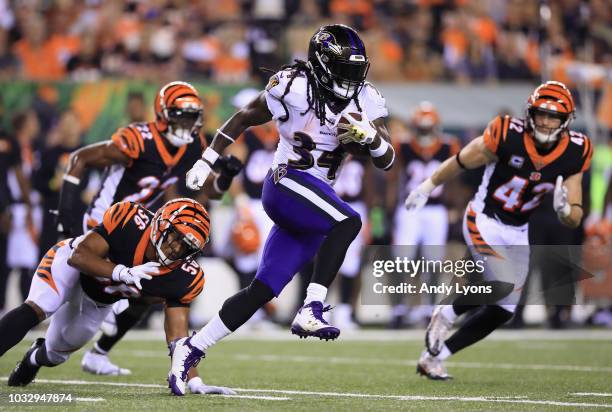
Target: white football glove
x,y
361,131
417,198
196,385
560,203
197,175
133,275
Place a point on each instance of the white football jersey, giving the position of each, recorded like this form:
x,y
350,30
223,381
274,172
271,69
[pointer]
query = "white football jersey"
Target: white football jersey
x,y
304,144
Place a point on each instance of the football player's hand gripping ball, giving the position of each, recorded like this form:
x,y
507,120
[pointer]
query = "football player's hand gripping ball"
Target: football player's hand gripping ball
x,y
360,131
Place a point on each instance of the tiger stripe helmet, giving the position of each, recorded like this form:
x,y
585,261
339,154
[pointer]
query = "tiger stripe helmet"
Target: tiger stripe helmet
x,y
425,119
553,98
178,112
189,220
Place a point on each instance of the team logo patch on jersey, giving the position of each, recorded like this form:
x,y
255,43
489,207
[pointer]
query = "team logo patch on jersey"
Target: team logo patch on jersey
x,y
535,176
516,161
279,173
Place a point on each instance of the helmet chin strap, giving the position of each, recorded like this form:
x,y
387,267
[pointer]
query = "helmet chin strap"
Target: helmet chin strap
x,y
179,137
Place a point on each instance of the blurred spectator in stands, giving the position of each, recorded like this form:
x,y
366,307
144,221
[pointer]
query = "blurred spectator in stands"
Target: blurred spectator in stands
x,y
421,64
9,64
10,159
48,173
232,65
87,64
359,12
22,252
35,48
510,63
478,63
136,107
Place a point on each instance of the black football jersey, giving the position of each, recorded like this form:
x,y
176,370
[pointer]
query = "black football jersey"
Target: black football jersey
x,y
260,156
513,186
126,227
151,170
419,162
349,184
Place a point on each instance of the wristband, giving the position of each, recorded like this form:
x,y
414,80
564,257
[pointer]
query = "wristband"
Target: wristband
x,y
72,179
228,137
577,205
461,165
117,273
381,149
210,155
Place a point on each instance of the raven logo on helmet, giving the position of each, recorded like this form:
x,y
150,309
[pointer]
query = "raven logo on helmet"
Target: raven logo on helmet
x,y
180,230
178,112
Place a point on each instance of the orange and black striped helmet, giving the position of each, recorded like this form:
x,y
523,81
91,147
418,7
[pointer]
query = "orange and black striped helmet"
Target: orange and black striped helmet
x,y
555,99
425,120
184,221
178,112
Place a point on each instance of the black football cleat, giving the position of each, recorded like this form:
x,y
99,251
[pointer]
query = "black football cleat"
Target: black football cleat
x,y
24,372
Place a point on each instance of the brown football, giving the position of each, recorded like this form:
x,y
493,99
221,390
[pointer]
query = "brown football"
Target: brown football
x,y
353,148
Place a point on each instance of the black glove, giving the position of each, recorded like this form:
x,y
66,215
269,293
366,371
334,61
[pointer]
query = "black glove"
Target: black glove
x,y
228,166
67,214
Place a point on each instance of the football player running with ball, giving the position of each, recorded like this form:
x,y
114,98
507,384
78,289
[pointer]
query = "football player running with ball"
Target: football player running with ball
x,y
132,253
307,100
525,159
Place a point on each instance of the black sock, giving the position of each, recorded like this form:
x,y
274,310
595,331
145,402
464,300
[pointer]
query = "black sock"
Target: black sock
x,y
126,320
237,309
346,288
333,250
477,327
15,324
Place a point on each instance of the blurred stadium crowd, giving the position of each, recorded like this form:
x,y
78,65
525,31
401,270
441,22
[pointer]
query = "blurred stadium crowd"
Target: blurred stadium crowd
x,y
228,41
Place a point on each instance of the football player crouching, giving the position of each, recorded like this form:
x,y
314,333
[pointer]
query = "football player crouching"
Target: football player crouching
x,y
131,253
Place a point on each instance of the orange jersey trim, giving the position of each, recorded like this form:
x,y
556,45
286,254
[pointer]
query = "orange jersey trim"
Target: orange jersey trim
x,y
169,160
537,159
195,287
119,212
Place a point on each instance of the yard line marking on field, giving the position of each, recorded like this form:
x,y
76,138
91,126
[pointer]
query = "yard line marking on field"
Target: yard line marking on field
x,y
485,399
379,361
90,399
265,398
591,394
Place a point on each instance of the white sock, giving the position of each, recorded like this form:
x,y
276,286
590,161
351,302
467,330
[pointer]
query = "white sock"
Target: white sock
x,y
33,358
315,293
211,333
444,353
449,312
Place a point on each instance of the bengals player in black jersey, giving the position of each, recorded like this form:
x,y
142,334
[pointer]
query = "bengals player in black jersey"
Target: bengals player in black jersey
x,y
525,159
132,252
141,162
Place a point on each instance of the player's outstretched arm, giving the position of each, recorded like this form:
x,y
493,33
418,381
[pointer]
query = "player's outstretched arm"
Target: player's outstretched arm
x,y
472,156
253,114
91,156
89,257
568,200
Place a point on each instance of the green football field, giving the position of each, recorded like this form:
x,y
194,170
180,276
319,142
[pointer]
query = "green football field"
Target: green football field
x,y
524,371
